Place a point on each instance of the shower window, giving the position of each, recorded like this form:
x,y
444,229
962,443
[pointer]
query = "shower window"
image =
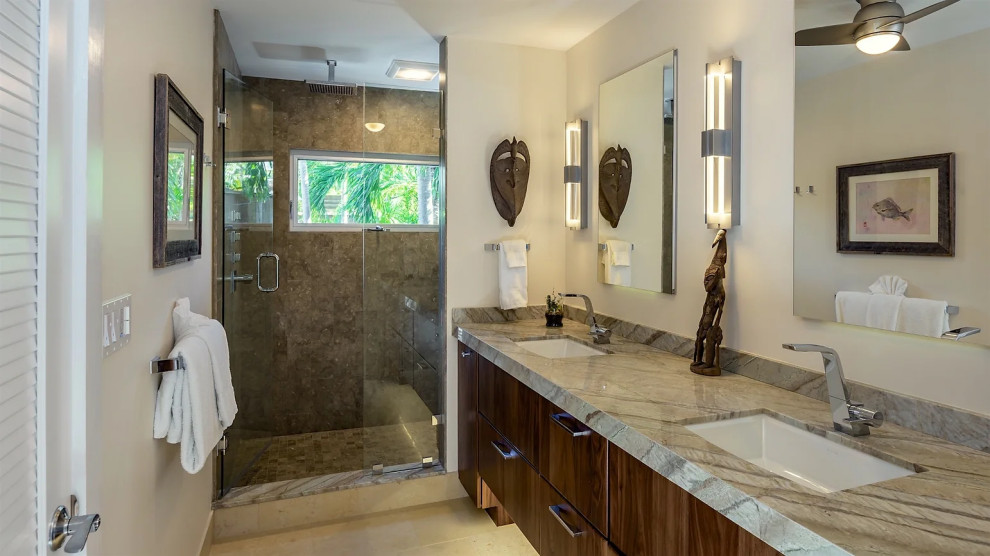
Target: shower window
x,y
248,190
340,191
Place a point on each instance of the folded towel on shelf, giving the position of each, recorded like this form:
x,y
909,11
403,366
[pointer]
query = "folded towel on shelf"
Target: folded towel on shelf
x,y
850,307
889,284
882,311
925,317
617,263
512,275
196,403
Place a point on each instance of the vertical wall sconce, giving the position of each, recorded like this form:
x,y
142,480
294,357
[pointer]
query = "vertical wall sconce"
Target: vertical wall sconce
x,y
576,174
720,144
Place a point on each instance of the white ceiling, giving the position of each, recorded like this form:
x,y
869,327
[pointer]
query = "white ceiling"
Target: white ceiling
x,y
553,24
291,39
958,19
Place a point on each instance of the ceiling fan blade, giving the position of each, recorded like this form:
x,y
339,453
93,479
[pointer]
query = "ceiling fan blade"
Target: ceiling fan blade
x,y
901,46
832,34
921,13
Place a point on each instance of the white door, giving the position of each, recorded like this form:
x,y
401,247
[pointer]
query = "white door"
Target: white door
x,y
49,266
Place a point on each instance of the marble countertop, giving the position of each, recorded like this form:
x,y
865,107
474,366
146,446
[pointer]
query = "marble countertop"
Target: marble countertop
x,y
640,398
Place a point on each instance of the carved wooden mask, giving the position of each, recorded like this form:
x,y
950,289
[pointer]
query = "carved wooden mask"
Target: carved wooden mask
x,y
614,179
509,174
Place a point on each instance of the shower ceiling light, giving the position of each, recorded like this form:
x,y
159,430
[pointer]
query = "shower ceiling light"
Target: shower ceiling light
x,y
374,127
412,71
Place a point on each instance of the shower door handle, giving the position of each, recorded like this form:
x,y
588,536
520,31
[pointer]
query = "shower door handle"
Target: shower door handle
x,y
268,256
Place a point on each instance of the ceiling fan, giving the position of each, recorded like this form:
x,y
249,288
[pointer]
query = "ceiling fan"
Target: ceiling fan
x,y
875,29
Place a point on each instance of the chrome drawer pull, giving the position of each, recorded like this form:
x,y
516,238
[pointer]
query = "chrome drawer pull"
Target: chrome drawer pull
x,y
555,510
505,454
559,419
466,353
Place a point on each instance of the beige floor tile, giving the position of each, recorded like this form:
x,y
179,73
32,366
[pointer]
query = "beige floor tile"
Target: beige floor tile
x,y
445,528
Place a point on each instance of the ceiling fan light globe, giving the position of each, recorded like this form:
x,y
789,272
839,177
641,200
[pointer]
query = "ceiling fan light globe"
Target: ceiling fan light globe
x,y
877,43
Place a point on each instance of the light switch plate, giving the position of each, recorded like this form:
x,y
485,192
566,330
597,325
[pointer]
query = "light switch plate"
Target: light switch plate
x,y
116,324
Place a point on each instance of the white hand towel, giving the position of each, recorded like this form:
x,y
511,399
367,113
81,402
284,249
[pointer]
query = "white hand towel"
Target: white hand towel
x,y
925,317
882,311
512,276
613,257
890,285
621,252
850,307
196,404
187,405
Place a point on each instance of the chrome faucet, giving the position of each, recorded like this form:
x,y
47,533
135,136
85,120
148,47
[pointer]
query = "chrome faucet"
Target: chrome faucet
x,y
847,416
599,334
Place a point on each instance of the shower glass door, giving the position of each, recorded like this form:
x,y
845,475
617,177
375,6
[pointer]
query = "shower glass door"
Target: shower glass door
x,y
402,349
247,309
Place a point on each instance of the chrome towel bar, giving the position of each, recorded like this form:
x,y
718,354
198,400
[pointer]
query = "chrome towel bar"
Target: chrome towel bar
x,y
603,247
159,365
498,247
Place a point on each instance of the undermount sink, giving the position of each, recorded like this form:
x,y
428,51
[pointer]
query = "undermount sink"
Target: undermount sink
x,y
797,454
559,348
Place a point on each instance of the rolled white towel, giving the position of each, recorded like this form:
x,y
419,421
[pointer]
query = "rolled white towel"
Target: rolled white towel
x,y
889,284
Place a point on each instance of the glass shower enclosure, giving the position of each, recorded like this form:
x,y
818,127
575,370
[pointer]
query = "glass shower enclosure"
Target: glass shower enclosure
x,y
336,343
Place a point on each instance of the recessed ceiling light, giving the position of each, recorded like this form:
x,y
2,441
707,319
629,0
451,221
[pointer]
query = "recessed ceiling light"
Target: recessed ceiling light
x,y
412,71
374,127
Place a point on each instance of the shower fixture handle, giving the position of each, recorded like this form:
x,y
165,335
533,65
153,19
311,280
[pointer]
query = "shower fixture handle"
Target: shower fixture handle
x,y
268,256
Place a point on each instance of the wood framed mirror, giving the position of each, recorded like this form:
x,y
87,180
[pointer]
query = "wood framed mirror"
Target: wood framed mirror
x,y
178,177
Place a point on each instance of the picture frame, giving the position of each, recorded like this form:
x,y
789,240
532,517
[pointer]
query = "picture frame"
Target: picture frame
x,y
897,207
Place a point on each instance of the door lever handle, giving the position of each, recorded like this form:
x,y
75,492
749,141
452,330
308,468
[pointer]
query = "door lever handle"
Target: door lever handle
x,y
71,531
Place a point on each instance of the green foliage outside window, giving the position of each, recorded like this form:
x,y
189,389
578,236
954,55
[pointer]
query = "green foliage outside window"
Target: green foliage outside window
x,y
252,178
369,192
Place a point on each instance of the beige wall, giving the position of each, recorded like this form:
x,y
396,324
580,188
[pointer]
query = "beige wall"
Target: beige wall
x,y
150,505
759,311
940,103
496,91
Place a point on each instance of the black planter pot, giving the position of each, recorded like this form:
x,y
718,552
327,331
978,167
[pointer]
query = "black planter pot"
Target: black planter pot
x,y
554,321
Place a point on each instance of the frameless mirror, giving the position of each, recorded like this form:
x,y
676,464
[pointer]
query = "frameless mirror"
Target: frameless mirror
x,y
890,189
178,180
637,177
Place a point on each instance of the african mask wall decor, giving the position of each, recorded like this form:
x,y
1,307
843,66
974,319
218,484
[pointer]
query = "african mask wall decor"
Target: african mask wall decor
x,y
509,174
614,179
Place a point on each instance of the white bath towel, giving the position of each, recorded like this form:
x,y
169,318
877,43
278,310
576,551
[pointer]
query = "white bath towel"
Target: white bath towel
x,y
883,310
195,404
889,284
850,307
617,262
512,275
925,317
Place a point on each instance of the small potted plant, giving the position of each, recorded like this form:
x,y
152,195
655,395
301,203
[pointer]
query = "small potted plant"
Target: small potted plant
x,y
555,311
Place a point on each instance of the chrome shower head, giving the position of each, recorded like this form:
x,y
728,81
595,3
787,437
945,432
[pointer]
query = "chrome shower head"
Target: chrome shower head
x,y
330,86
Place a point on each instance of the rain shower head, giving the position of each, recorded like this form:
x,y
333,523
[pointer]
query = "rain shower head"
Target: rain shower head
x,y
330,86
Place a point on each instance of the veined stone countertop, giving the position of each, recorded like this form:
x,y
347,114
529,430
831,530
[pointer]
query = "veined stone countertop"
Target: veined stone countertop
x,y
640,398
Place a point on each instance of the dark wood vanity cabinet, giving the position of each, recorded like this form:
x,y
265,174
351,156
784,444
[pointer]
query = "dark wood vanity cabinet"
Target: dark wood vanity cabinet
x,y
652,516
467,422
571,493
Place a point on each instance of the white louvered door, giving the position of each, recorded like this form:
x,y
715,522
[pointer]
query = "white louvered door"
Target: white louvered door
x,y
20,70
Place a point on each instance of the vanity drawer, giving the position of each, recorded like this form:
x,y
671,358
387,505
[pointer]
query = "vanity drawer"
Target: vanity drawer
x,y
563,532
513,481
517,414
574,459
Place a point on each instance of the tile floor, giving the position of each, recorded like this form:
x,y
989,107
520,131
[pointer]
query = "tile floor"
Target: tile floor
x,y
454,527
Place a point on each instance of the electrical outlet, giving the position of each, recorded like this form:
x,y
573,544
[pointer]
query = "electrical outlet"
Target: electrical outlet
x,y
116,324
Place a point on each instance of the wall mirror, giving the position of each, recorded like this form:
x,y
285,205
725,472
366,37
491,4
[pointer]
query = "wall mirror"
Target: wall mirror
x,y
178,177
891,195
637,178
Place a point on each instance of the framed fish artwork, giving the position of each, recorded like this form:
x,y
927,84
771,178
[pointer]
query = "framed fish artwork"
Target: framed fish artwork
x,y
899,207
